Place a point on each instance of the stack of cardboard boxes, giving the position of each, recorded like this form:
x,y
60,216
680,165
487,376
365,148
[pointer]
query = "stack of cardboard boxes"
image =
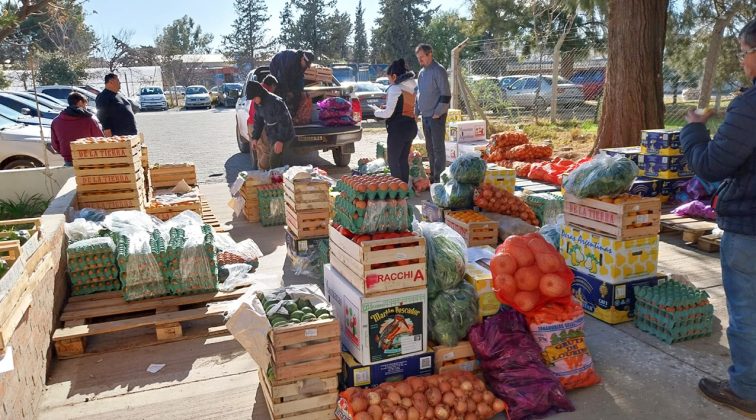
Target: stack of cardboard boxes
x,y
661,160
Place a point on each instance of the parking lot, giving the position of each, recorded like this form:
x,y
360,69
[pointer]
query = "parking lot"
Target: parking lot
x,y
207,138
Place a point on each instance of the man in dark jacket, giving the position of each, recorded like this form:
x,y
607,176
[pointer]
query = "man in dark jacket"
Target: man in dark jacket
x,y
288,68
271,115
731,157
73,123
114,110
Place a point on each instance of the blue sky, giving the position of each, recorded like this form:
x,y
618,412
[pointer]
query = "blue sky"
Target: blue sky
x,y
147,17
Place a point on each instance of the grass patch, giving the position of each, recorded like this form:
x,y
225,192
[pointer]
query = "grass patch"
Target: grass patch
x,y
23,206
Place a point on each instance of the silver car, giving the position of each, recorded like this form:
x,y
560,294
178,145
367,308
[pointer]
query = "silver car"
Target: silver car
x,y
524,92
21,146
197,97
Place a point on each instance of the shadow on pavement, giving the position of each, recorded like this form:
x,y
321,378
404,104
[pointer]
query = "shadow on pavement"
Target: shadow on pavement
x,y
242,162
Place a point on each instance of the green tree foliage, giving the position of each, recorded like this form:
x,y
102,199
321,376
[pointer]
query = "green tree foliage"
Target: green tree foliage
x,y
315,25
360,36
248,32
445,31
286,18
58,69
182,36
399,28
338,47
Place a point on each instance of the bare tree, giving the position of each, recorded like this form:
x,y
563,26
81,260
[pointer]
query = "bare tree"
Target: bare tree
x,y
114,48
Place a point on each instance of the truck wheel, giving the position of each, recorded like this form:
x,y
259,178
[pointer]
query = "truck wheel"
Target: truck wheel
x,y
241,141
340,158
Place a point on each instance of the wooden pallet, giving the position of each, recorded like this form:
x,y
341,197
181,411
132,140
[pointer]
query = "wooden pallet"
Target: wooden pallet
x,y
208,217
305,224
692,230
108,313
371,269
474,233
459,357
709,243
312,348
302,399
628,220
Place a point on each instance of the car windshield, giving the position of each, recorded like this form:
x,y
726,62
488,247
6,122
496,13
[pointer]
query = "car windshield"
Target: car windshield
x,y
10,113
151,91
231,86
367,87
194,90
506,81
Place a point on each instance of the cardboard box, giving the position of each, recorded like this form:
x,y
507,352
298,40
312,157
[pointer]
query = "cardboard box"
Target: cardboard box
x,y
467,131
664,167
431,212
660,142
453,115
304,247
475,147
452,152
500,177
478,274
628,152
611,260
611,303
645,187
378,328
394,370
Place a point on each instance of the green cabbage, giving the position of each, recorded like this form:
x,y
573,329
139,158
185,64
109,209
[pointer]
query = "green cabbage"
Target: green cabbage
x,y
468,169
452,313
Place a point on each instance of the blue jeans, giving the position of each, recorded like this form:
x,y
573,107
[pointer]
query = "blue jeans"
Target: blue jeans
x,y
434,131
738,254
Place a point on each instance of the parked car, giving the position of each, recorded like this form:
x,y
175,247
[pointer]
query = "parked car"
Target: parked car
x,y
152,97
214,94
61,92
27,107
343,74
21,118
369,94
21,146
310,137
197,97
43,99
506,81
229,93
592,81
524,92
383,82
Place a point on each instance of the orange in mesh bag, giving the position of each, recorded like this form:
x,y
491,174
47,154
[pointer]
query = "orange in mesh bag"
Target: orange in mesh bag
x,y
558,329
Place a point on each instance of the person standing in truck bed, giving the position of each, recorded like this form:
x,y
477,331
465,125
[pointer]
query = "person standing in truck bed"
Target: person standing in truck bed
x,y
288,68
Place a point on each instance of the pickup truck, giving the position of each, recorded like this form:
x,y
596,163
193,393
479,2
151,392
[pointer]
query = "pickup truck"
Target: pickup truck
x,y
310,137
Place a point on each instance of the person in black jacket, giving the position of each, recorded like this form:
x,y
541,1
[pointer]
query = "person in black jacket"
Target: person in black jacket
x,y
288,68
114,110
731,157
271,115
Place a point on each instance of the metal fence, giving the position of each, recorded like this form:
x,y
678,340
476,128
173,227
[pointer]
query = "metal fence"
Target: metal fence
x,y
519,90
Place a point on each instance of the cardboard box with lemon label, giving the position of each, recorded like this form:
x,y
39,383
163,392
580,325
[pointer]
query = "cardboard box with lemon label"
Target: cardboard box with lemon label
x,y
611,260
478,274
611,303
500,177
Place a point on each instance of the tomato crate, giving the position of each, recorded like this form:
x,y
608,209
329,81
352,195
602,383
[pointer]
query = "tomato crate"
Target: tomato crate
x,y
303,349
626,220
309,398
307,194
307,223
379,266
459,357
474,233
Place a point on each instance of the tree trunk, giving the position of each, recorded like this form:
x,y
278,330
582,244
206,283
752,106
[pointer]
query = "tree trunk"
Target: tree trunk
x,y
710,65
633,92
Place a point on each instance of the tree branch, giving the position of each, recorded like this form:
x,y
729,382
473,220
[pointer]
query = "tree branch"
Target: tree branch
x,y
27,9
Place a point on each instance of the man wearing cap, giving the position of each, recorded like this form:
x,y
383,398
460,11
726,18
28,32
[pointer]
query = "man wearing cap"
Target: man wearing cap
x,y
288,68
272,116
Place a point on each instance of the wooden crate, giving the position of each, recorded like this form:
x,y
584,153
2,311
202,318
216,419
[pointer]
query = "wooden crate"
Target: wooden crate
x,y
251,203
307,194
373,269
709,243
459,357
91,316
302,399
308,348
318,74
306,224
633,219
168,175
208,218
166,211
474,233
8,227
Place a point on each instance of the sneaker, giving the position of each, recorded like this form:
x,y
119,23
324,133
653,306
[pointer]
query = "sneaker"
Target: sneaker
x,y
720,393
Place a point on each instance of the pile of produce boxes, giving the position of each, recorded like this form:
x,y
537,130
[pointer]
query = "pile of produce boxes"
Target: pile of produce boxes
x,y
465,137
662,160
109,173
248,193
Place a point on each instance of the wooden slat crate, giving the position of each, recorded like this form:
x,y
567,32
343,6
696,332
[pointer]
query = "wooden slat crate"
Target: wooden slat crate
x,y
372,268
474,233
32,226
459,357
307,195
318,74
308,348
168,175
166,211
631,219
91,316
306,224
301,399
251,203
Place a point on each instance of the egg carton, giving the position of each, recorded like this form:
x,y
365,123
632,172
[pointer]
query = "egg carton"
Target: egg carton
x,y
673,311
95,287
94,276
677,334
271,205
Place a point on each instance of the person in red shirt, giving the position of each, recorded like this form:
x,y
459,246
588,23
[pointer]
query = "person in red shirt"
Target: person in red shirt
x,y
260,150
73,123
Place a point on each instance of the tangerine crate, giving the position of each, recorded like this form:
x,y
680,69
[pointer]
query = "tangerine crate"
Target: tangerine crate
x,y
307,194
459,357
474,233
379,266
304,349
308,398
625,220
305,224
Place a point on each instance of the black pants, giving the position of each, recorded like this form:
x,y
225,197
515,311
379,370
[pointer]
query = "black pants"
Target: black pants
x,y
400,135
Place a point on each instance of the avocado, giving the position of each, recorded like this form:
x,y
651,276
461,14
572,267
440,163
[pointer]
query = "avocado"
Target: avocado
x,y
280,324
290,306
308,317
307,310
322,311
297,314
325,316
295,321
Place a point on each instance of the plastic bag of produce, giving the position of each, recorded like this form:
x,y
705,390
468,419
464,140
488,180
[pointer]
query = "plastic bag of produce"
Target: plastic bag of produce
x,y
446,257
468,169
452,313
198,266
528,272
512,365
81,229
92,215
558,330
546,206
553,232
604,175
335,103
696,209
233,276
501,201
445,176
453,195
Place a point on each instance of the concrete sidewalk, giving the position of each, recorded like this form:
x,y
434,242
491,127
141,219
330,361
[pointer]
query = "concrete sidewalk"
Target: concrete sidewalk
x,y
215,378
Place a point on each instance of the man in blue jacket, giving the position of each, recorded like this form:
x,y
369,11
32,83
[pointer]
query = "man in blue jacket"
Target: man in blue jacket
x,y
731,157
433,96
288,68
271,115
